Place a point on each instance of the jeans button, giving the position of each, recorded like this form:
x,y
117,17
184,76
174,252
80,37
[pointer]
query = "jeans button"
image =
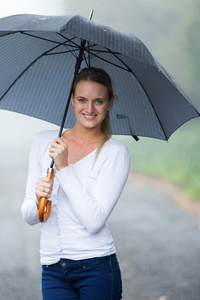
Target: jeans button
x,y
63,263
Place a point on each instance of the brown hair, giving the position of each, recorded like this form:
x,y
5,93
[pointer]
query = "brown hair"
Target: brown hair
x,y
100,76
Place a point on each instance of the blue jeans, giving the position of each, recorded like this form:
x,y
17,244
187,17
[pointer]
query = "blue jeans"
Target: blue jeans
x,y
89,279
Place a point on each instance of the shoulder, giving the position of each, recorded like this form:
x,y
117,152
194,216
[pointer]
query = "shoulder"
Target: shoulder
x,y
113,150
47,135
43,139
115,146
113,157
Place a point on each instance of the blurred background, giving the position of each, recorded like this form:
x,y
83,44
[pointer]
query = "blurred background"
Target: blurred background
x,y
170,30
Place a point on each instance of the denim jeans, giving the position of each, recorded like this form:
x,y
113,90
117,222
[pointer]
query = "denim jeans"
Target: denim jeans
x,y
89,279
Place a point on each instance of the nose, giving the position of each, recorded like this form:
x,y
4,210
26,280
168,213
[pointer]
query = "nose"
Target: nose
x,y
90,107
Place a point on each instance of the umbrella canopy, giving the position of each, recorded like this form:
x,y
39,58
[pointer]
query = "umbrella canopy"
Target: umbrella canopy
x,y
38,55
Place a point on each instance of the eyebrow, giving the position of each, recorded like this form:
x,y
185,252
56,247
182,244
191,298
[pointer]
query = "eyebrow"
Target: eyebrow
x,y
81,97
93,99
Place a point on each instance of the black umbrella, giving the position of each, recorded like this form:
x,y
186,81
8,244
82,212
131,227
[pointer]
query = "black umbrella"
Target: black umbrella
x,y
41,55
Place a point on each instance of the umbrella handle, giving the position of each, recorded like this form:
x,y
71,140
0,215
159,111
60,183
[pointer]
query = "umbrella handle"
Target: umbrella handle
x,y
45,205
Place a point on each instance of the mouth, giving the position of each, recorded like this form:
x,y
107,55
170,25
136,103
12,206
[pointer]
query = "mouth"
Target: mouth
x,y
89,117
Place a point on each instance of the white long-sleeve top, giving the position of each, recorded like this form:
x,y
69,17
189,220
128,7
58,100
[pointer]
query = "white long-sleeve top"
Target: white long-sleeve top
x,y
83,197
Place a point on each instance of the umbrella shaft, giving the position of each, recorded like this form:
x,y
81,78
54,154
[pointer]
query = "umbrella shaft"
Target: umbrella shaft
x,y
52,164
77,68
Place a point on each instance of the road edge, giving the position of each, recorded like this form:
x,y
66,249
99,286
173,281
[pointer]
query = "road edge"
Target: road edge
x,y
173,192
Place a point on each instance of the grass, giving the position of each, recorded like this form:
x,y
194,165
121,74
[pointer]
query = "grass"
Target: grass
x,y
177,161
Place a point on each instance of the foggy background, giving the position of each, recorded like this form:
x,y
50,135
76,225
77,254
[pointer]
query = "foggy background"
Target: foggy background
x,y
170,30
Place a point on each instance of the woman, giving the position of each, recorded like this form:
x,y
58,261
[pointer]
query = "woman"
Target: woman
x,y
78,255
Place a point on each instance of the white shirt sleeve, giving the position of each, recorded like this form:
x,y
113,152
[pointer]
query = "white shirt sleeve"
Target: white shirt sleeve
x,y
29,209
94,209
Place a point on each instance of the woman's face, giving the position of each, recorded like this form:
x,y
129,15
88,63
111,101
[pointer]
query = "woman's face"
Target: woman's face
x,y
91,103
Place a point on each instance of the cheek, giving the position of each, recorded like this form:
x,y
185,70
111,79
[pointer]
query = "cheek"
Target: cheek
x,y
78,107
103,110
107,108
104,114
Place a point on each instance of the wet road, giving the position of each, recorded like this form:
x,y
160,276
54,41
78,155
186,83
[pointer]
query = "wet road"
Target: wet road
x,y
158,244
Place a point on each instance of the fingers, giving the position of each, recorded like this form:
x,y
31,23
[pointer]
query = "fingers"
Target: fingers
x,y
59,152
58,147
44,187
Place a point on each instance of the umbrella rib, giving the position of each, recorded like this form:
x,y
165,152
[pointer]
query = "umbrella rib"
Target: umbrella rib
x,y
75,45
71,40
9,33
62,52
49,40
129,70
43,54
103,51
107,61
72,45
91,48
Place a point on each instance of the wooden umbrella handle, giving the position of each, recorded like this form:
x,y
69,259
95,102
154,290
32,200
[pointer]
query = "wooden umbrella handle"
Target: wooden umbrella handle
x,y
45,205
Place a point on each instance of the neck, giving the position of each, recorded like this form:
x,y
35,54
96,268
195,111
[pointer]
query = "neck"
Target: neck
x,y
85,135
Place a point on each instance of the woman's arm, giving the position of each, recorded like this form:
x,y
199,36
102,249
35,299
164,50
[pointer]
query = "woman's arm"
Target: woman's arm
x,y
29,209
93,210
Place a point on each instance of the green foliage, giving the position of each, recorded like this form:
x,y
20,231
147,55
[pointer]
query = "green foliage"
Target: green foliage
x,y
190,42
177,160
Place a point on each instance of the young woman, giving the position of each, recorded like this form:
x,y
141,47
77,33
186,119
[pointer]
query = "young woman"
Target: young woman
x,y
78,255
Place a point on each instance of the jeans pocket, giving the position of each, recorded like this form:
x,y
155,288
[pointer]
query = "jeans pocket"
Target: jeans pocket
x,y
99,267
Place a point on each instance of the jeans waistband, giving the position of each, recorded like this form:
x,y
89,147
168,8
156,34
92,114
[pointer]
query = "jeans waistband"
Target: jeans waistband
x,y
65,261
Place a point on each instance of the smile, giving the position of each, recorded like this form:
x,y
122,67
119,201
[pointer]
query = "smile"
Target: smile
x,y
89,117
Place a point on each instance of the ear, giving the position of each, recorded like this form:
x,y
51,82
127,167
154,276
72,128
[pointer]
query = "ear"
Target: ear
x,y
72,101
110,103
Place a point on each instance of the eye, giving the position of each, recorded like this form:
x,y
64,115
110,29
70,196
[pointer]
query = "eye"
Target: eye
x,y
99,102
81,100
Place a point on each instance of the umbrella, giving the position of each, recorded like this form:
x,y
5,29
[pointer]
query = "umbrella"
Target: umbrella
x,y
41,55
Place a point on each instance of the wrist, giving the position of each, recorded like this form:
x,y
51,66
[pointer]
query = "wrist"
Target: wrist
x,y
59,168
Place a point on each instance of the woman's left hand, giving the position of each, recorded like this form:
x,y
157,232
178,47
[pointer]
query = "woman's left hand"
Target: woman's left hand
x,y
59,152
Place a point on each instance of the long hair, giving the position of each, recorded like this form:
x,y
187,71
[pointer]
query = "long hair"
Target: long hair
x,y
100,76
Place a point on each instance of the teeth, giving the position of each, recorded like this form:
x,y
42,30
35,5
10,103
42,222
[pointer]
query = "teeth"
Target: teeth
x,y
89,117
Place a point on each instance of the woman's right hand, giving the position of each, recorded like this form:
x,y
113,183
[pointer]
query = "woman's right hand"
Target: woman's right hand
x,y
44,187
59,153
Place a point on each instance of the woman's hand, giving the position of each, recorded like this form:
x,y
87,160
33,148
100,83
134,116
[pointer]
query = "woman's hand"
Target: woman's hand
x,y
44,187
59,152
